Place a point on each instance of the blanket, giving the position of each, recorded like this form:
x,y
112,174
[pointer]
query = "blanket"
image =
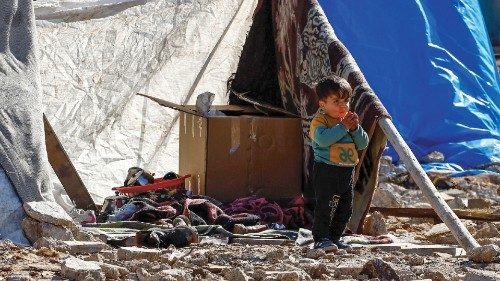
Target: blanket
x,y
283,72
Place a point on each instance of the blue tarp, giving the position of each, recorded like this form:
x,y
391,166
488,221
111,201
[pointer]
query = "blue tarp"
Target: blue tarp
x,y
432,66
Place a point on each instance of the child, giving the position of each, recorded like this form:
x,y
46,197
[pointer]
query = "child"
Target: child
x,y
336,137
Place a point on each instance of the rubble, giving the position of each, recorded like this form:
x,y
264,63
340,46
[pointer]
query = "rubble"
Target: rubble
x,y
488,253
375,225
423,249
78,269
49,212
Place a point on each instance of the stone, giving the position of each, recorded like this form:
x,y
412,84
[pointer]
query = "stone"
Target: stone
x,y
292,276
414,260
453,192
168,274
35,230
315,269
436,275
487,230
252,241
387,195
136,253
235,274
375,225
113,271
479,203
49,212
74,268
84,247
315,253
49,243
377,268
485,254
481,275
433,157
457,203
275,255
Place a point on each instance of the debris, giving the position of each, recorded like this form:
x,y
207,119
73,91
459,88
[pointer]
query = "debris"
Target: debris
x,y
74,268
83,247
235,274
35,230
135,253
433,157
49,212
486,253
377,268
375,225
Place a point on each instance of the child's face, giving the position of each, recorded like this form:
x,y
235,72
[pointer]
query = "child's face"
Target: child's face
x,y
334,106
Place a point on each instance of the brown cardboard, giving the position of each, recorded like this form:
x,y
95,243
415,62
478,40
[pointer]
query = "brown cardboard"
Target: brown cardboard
x,y
237,156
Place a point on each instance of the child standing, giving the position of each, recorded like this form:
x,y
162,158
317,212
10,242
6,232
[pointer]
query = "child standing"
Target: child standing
x,y
336,138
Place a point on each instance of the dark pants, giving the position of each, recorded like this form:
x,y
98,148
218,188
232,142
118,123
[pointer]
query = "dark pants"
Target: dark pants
x,y
333,193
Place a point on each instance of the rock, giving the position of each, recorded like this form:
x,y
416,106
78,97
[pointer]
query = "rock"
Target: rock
x,y
375,225
275,255
292,276
315,253
49,243
315,269
377,268
435,275
113,271
385,196
487,231
479,203
35,230
433,157
486,253
414,260
83,247
74,268
235,274
49,212
458,203
135,253
168,274
481,275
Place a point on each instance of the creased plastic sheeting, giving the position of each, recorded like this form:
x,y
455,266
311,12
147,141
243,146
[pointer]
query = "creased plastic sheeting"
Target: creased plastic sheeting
x,y
432,65
92,69
11,212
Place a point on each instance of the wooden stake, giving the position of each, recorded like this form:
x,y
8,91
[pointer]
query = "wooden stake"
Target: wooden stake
x,y
418,174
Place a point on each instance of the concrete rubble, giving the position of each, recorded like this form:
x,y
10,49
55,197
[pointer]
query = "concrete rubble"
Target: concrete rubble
x,y
423,248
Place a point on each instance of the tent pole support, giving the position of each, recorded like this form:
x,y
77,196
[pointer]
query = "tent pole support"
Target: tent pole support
x,y
418,174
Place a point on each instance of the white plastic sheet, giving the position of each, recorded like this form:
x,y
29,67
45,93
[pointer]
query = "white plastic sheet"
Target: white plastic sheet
x,y
91,70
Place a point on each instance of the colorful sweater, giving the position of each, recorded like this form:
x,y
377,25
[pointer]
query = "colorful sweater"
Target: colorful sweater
x,y
333,144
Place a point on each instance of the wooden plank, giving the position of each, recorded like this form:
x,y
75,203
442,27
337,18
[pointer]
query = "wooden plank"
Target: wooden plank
x,y
65,171
430,213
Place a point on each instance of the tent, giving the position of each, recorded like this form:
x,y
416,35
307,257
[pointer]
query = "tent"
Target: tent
x,y
95,55
432,65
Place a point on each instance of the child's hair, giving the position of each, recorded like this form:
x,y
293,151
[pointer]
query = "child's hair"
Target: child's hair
x,y
333,84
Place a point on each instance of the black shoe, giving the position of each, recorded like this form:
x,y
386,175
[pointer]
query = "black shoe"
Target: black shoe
x,y
325,244
342,245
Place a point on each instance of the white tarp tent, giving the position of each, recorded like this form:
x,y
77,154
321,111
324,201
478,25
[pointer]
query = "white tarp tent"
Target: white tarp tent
x,y
94,56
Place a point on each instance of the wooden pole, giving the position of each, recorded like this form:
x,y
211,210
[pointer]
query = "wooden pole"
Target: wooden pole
x,y
428,189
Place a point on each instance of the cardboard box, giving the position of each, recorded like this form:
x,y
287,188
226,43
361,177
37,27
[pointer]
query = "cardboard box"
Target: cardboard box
x,y
240,155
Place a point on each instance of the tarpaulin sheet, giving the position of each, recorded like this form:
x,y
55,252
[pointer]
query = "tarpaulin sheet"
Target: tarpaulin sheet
x,y
432,65
95,55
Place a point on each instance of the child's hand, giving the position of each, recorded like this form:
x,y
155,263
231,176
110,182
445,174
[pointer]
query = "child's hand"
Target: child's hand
x,y
350,121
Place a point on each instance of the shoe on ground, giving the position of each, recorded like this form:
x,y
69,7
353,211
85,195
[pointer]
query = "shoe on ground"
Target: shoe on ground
x,y
342,245
325,244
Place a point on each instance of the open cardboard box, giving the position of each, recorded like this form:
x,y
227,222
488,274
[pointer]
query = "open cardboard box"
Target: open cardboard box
x,y
241,154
